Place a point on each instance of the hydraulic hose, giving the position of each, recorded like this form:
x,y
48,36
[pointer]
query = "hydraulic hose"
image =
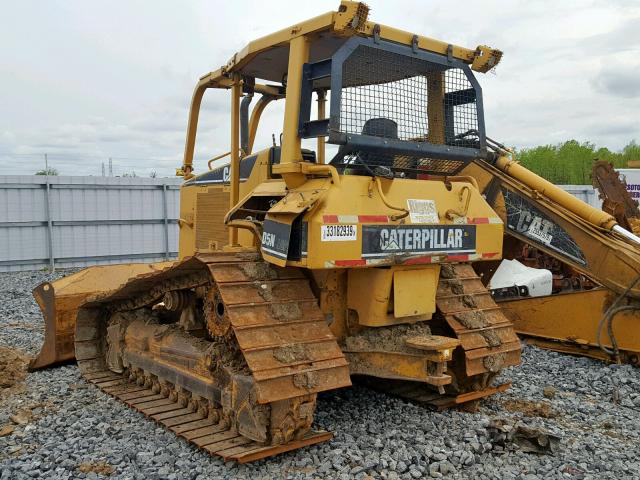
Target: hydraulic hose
x,y
608,319
404,211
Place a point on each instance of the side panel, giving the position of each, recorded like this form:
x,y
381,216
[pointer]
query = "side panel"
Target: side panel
x,y
187,238
368,293
524,218
414,291
276,237
568,322
211,208
390,296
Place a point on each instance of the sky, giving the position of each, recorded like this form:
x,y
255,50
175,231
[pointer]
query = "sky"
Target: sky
x,y
85,81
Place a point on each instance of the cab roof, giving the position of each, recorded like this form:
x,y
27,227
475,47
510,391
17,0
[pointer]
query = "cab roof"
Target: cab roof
x,y
267,57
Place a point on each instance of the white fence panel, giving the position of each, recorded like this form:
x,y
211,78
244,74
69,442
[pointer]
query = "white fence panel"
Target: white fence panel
x,y
79,221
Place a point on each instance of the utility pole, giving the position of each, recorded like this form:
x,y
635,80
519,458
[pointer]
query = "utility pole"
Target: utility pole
x,y
110,167
103,169
46,165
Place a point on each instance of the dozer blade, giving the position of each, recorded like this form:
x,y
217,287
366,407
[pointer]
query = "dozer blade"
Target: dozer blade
x,y
59,302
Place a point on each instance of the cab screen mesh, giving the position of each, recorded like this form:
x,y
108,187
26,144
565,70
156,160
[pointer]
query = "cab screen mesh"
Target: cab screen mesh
x,y
391,95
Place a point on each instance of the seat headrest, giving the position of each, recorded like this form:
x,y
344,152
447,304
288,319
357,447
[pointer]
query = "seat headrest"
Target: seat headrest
x,y
381,127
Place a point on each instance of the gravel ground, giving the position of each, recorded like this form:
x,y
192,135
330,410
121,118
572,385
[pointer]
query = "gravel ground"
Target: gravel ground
x,y
64,428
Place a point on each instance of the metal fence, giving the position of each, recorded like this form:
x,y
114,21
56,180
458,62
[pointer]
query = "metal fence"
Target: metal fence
x,y
48,222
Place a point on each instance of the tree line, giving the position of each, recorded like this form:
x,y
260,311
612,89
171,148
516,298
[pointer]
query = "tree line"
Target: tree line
x,y
569,163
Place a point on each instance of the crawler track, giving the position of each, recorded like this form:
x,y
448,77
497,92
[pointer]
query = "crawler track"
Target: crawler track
x,y
488,341
213,437
248,392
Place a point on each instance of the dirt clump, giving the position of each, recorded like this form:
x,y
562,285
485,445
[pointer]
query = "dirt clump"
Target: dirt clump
x,y
456,287
306,380
530,408
472,319
259,271
291,353
391,339
549,391
101,468
285,312
495,362
265,290
469,301
22,416
447,271
13,369
492,338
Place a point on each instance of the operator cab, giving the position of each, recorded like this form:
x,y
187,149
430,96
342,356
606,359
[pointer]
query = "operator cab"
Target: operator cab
x,y
396,111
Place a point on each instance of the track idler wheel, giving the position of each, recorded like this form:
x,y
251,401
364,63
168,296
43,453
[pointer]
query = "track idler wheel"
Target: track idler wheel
x,y
275,423
240,407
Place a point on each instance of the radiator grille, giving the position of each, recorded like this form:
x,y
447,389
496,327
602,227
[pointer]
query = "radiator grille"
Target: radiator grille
x,y
211,208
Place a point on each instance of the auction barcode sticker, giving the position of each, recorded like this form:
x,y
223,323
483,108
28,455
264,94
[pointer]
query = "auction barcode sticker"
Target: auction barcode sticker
x,y
339,233
422,211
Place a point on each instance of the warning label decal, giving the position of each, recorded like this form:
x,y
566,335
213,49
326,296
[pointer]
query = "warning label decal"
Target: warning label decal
x,y
422,211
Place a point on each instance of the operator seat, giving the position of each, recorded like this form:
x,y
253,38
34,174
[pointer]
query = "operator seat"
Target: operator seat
x,y
347,156
381,127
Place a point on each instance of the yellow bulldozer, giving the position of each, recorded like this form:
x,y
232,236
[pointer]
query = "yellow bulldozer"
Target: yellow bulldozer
x,y
299,270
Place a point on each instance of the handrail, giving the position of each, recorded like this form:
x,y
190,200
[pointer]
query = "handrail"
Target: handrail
x,y
324,168
242,154
463,178
247,225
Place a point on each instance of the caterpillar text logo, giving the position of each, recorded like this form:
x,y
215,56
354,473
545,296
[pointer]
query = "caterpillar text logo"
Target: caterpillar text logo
x,y
420,239
535,226
381,241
